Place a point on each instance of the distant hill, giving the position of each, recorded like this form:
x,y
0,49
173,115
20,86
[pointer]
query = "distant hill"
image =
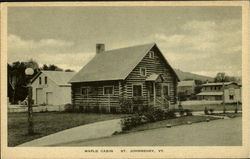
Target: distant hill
x,y
187,75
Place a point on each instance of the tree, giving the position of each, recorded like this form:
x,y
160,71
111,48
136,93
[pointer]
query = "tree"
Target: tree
x,y
69,70
17,80
51,67
221,77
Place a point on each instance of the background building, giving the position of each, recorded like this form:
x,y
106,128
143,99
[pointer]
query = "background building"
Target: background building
x,y
215,91
52,88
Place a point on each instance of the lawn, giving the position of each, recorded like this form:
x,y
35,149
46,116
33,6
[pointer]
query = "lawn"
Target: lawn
x,y
173,122
49,123
216,107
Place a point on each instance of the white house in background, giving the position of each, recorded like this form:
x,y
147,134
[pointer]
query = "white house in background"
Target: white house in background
x,y
215,92
52,88
186,87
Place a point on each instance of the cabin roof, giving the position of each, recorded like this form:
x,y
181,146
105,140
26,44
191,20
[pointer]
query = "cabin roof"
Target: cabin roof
x,y
59,77
113,64
186,83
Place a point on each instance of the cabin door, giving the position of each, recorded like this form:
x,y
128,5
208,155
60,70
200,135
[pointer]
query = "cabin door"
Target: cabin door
x,y
39,96
49,98
165,95
164,90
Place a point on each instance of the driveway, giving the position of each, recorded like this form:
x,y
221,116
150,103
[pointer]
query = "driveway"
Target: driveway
x,y
84,132
227,132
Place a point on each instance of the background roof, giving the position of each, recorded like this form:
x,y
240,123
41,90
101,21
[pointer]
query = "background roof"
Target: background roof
x,y
59,77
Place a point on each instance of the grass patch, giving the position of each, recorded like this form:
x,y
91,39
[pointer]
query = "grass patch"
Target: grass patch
x,y
173,122
230,115
216,107
49,123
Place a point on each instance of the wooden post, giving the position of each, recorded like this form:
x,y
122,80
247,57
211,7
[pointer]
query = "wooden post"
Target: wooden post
x,y
30,111
154,94
223,87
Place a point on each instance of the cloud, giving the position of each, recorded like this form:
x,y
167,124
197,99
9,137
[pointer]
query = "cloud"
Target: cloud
x,y
204,46
47,51
18,45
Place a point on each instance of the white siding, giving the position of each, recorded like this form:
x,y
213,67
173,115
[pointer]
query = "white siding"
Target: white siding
x,y
60,95
236,93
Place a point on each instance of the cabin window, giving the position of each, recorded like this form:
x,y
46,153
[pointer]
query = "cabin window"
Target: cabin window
x,y
231,97
143,71
151,54
85,91
45,80
108,90
40,80
137,90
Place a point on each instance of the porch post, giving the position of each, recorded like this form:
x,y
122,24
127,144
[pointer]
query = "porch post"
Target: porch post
x,y
154,94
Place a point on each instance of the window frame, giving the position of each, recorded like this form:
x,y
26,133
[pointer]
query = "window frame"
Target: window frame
x,y
231,96
45,80
145,71
87,91
113,90
40,80
137,84
151,54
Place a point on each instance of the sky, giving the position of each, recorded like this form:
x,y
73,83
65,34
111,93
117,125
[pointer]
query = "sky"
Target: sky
x,y
201,39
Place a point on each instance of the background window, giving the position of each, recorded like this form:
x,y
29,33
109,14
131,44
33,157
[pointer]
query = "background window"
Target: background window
x,y
40,80
45,80
143,71
137,90
231,97
108,90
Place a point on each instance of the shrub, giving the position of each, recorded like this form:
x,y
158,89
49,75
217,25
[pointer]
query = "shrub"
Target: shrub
x,y
206,111
170,114
211,111
188,112
181,112
96,109
68,108
125,104
155,114
131,121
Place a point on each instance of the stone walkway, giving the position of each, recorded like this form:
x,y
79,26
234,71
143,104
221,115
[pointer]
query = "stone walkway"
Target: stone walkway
x,y
85,132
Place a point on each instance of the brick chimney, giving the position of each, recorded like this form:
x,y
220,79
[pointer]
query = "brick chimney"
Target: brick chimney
x,y
100,48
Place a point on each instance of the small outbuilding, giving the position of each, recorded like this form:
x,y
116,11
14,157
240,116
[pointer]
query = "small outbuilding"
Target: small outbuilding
x,y
186,87
52,88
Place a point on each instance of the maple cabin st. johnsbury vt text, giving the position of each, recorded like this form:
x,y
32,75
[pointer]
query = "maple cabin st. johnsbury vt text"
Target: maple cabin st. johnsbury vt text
x,y
139,75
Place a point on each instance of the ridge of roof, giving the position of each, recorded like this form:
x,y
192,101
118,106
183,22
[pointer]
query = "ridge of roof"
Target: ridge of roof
x,y
91,71
123,59
59,77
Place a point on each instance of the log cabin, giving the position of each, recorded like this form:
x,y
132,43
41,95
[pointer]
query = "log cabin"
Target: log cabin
x,y
134,78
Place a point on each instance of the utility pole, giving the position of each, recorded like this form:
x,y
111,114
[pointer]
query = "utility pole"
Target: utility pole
x,y
223,87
